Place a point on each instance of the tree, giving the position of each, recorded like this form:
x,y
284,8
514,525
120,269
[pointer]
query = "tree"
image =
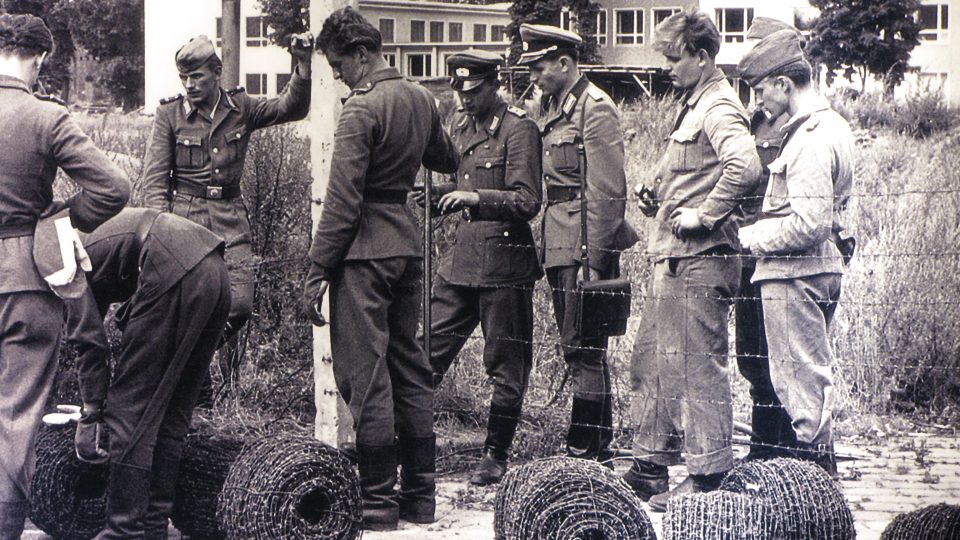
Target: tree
x,y
111,31
285,18
865,36
55,75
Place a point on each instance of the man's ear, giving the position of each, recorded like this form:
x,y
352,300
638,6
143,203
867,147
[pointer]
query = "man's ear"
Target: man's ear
x,y
363,55
702,57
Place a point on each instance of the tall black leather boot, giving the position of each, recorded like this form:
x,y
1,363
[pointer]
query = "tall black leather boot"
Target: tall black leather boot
x,y
418,472
127,499
501,427
377,466
163,489
591,429
12,516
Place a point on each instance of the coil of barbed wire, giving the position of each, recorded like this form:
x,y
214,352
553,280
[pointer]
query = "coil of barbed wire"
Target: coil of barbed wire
x,y
934,522
720,515
206,461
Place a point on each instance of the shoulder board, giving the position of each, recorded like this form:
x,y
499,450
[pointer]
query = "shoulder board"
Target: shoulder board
x,y
813,123
171,99
516,111
363,89
595,93
236,90
51,99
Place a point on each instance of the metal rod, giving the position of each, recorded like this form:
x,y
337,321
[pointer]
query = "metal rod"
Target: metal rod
x,y
427,262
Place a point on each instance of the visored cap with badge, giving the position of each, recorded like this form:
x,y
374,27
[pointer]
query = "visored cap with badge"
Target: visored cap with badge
x,y
471,67
539,40
776,51
195,53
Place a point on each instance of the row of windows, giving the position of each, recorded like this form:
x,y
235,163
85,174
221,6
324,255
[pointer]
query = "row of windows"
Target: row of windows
x,y
256,32
630,24
256,83
438,29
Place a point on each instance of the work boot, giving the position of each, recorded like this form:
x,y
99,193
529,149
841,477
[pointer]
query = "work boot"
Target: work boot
x,y
501,427
821,454
12,516
591,430
694,483
418,472
377,466
127,499
647,479
163,490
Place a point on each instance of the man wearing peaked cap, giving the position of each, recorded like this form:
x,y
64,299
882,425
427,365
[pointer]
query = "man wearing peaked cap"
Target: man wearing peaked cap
x,y
575,110
37,137
540,40
487,276
797,239
773,433
195,155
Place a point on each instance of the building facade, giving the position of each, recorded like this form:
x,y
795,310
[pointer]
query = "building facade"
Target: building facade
x,y
417,38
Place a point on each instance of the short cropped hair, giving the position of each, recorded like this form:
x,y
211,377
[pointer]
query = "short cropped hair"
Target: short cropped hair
x,y
345,30
690,30
799,72
24,35
572,52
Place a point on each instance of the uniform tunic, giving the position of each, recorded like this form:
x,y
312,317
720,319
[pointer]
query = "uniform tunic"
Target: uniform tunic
x,y
487,275
682,398
37,137
367,244
585,113
190,151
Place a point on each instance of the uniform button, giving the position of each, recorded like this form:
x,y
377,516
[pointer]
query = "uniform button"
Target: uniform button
x,y
657,180
216,171
470,153
506,233
466,176
488,165
766,144
546,153
486,146
215,150
238,136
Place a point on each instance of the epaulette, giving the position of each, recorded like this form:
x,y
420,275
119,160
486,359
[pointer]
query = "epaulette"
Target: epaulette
x,y
362,89
51,98
171,99
813,123
595,93
236,90
516,111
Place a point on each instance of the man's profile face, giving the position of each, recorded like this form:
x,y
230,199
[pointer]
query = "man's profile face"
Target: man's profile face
x,y
549,76
479,101
202,84
683,68
772,96
346,67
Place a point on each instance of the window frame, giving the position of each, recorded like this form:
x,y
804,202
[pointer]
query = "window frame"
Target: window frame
x,y
601,37
940,33
255,40
739,36
477,26
393,29
261,83
423,36
653,14
450,27
427,64
639,34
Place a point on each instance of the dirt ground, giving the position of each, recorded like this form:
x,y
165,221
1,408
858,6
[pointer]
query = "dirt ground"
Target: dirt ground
x,y
883,475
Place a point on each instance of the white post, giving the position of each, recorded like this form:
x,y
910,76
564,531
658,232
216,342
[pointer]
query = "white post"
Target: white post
x,y
332,423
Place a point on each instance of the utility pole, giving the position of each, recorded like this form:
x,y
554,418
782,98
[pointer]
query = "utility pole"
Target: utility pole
x,y
333,423
230,27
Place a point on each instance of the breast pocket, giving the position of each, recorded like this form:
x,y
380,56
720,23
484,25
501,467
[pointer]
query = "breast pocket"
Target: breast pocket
x,y
563,155
500,252
189,151
490,172
684,150
235,143
777,195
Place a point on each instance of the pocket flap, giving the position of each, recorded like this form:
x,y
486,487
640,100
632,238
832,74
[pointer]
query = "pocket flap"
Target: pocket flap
x,y
236,134
566,138
778,166
685,135
187,140
489,162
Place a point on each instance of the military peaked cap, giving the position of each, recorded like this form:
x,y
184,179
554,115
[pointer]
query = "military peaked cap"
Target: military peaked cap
x,y
470,68
539,40
195,53
776,51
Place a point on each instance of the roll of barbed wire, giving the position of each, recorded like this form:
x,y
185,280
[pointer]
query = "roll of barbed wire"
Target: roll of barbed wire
x,y
203,470
935,522
290,487
720,515
67,497
809,502
566,498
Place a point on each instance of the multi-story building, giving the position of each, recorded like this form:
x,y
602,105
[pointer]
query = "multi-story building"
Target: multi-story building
x,y
417,38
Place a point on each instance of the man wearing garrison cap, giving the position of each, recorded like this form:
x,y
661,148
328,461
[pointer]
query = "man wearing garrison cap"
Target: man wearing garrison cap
x,y
194,159
800,265
487,277
576,111
681,387
37,136
772,430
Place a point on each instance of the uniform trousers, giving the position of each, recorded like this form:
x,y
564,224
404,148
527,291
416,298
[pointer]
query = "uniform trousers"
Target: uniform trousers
x,y
378,363
586,357
797,315
165,351
505,315
30,327
681,389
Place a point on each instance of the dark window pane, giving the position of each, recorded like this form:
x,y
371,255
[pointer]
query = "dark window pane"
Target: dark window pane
x,y
456,32
436,31
386,30
417,31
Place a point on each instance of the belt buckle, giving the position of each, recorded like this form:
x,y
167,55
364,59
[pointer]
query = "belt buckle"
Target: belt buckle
x,y
214,192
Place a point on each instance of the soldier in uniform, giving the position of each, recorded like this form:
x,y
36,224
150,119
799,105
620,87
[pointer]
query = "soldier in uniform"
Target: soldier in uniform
x,y
366,248
195,155
773,434
170,274
36,137
681,389
487,276
800,266
576,111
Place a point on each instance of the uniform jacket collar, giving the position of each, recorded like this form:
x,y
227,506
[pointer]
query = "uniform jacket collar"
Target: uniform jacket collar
x,y
225,101
803,115
369,81
570,99
701,90
492,125
6,81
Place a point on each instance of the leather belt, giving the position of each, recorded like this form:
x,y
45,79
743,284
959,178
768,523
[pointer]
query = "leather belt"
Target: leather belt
x,y
14,230
205,191
562,194
385,196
